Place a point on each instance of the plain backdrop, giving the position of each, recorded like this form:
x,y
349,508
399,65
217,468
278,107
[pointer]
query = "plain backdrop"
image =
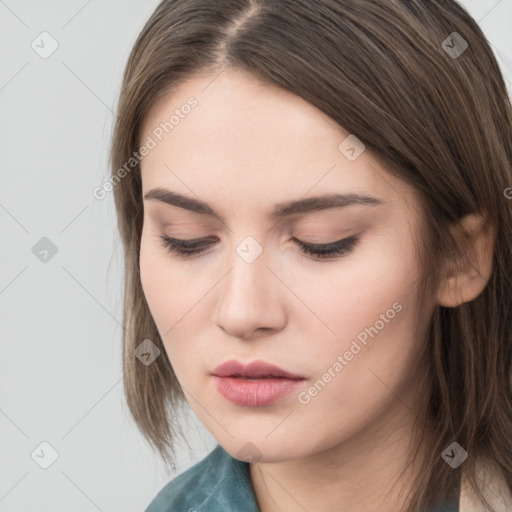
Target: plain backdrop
x,y
61,260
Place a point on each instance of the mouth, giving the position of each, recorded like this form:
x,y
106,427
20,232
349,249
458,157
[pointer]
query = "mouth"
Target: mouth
x,y
254,370
254,385
238,376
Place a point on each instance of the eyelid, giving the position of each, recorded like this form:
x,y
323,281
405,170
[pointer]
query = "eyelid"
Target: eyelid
x,y
189,241
189,248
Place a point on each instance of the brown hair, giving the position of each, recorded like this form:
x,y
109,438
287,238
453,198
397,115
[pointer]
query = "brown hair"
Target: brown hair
x,y
438,121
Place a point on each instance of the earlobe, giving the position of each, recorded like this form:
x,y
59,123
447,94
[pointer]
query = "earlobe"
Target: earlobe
x,y
470,268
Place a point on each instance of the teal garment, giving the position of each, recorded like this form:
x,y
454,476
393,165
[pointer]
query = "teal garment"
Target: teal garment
x,y
218,483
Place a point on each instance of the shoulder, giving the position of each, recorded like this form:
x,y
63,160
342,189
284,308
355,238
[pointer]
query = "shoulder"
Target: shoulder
x,y
494,488
218,482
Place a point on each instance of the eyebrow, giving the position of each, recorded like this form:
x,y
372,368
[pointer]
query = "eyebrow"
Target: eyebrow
x,y
281,210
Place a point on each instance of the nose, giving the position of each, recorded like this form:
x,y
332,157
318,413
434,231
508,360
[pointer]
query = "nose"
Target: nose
x,y
250,298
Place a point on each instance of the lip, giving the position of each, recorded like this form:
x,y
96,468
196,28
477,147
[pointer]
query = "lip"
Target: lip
x,y
253,370
254,385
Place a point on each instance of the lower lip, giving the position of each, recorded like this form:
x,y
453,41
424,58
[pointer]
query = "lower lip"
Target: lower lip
x,y
257,392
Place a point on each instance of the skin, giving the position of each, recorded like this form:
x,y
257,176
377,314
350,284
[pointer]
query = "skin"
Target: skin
x,y
246,147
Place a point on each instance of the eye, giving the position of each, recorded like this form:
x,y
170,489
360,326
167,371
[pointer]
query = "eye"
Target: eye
x,y
186,247
338,248
189,248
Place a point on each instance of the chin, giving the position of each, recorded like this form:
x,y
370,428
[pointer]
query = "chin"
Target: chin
x,y
262,450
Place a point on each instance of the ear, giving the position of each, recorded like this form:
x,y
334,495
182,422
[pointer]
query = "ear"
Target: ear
x,y
468,272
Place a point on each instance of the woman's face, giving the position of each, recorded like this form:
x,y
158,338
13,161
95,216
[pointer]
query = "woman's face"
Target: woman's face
x,y
349,325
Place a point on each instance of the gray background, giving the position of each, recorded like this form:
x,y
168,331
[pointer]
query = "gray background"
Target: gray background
x,y
60,328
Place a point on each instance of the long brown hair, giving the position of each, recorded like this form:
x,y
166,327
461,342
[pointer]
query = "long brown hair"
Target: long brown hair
x,y
441,121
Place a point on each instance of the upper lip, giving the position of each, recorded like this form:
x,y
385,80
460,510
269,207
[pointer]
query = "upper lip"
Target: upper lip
x,y
255,370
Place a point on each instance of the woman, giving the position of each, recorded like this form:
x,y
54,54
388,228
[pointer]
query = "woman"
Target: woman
x,y
315,204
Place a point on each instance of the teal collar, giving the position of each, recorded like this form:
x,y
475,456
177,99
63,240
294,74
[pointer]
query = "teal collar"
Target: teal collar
x,y
219,483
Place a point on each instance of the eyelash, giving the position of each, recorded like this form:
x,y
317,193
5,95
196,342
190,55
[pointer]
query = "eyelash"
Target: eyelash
x,y
189,248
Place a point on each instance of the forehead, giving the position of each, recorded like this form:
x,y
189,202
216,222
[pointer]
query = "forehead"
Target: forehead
x,y
257,144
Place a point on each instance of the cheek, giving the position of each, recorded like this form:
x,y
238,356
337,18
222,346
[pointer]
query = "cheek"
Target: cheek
x,y
173,297
350,296
372,309
158,284
162,280
151,273
368,308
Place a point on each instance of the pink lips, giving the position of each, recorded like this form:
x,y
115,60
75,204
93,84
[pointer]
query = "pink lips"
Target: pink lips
x,y
255,384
